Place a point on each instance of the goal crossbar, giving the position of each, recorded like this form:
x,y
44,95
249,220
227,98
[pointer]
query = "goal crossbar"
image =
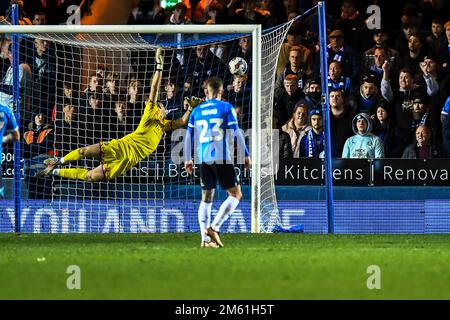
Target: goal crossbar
x,y
59,29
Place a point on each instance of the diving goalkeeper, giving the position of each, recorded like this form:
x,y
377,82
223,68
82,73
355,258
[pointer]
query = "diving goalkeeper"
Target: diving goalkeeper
x,y
120,155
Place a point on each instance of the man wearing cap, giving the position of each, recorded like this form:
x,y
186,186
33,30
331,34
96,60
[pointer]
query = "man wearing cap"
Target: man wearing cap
x,y
312,144
368,96
415,54
338,51
364,144
313,94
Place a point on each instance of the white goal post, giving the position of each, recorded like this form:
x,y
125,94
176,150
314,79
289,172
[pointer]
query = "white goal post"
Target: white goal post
x,y
254,30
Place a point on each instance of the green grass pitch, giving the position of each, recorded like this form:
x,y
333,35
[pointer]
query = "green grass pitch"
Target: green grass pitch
x,y
265,266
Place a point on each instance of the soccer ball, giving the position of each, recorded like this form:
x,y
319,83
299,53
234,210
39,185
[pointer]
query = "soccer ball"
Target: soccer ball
x,y
237,66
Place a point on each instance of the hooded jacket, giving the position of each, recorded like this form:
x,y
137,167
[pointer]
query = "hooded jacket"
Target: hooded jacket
x,y
363,146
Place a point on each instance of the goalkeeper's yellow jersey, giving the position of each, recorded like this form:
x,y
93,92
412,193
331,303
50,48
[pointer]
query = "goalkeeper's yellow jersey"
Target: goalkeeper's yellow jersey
x,y
144,140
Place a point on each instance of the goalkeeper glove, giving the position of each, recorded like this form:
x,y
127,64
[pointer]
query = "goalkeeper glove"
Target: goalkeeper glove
x,y
191,103
159,59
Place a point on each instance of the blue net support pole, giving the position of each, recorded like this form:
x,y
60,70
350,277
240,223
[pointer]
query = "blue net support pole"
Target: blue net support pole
x,y
326,115
16,97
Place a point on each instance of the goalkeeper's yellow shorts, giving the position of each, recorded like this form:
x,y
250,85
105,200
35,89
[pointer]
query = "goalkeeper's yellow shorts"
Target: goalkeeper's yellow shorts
x,y
115,158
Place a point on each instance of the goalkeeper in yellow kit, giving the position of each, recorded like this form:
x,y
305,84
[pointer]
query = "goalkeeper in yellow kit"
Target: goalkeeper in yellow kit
x,y
119,156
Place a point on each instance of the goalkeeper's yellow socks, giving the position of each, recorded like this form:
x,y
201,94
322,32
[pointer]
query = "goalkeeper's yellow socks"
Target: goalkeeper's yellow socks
x,y
71,156
72,173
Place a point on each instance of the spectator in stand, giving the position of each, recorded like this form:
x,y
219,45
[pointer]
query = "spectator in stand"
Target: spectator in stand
x,y
364,144
215,13
436,38
230,10
352,24
200,11
38,146
444,53
313,94
187,86
445,119
422,148
6,84
23,18
135,99
95,84
245,52
297,26
39,18
296,127
173,98
150,12
382,67
120,123
268,9
367,96
411,60
204,92
409,90
43,71
341,122
293,39
203,66
283,141
111,83
249,14
97,118
409,27
101,72
422,116
295,66
70,130
239,93
380,37
312,23
337,50
245,49
384,128
286,98
336,80
289,6
178,15
312,144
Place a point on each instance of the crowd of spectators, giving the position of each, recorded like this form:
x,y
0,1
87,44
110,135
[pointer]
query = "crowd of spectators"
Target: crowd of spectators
x,y
388,86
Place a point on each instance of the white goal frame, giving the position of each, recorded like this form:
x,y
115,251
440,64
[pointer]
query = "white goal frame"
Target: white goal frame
x,y
254,30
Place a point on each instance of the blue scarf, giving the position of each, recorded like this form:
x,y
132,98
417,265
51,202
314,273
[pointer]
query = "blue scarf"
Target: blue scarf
x,y
337,85
337,55
315,143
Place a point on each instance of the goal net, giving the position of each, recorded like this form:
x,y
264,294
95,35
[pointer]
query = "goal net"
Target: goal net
x,y
78,89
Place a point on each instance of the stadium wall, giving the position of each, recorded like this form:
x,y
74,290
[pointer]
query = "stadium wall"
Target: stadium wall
x,y
422,216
